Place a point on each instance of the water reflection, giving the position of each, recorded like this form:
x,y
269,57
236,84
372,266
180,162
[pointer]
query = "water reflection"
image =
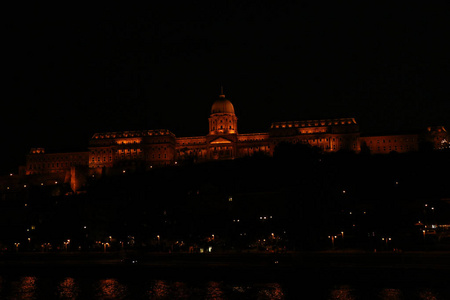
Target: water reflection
x,y
343,292
68,289
214,291
272,291
138,287
25,288
391,294
159,290
111,289
428,295
240,289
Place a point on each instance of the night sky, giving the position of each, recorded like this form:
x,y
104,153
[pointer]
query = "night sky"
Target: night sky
x,y
71,71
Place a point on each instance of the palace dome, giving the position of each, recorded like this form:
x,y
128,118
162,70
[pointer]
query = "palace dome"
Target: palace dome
x,y
222,106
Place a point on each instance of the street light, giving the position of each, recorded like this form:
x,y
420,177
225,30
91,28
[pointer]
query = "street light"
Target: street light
x,y
66,244
387,239
332,237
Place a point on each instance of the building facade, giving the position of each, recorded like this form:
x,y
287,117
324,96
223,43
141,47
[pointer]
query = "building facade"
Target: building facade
x,y
116,152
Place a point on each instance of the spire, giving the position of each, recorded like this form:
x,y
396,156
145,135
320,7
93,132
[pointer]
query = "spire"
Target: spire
x,y
221,92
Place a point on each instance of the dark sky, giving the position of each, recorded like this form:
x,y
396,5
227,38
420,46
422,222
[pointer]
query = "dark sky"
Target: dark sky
x,y
71,71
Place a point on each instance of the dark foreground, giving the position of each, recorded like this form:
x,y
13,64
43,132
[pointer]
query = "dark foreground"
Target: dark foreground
x,y
225,276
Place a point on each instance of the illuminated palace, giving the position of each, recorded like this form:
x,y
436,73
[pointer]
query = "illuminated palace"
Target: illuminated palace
x,y
114,152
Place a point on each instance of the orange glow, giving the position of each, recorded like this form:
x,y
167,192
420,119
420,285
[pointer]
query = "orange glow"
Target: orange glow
x,y
160,290
344,293
68,289
391,294
313,130
221,141
27,287
129,141
111,289
273,291
214,291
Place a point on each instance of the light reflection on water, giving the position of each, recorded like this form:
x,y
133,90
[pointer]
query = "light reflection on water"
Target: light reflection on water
x,y
391,294
214,291
272,291
111,289
349,293
68,289
137,287
159,290
26,287
343,292
428,295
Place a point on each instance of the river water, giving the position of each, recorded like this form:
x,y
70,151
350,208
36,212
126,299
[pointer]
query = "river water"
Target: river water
x,y
138,286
